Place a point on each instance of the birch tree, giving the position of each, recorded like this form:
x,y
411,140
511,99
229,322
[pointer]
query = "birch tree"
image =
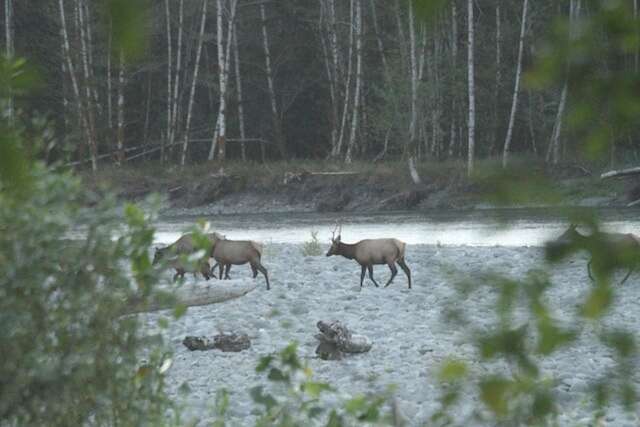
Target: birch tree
x,y
471,89
219,138
347,85
413,125
194,80
9,46
76,89
236,60
169,79
516,88
356,96
277,126
120,135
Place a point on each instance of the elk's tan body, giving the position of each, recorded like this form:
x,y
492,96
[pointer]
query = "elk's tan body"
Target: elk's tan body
x,y
624,248
185,246
372,252
239,252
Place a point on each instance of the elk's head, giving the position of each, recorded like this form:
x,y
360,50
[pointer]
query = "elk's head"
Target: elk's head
x,y
158,255
335,241
564,244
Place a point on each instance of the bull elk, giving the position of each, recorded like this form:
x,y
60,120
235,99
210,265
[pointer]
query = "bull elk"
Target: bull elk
x,y
372,252
616,249
185,246
239,252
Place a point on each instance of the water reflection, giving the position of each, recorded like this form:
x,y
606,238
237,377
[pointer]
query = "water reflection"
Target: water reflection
x,y
526,227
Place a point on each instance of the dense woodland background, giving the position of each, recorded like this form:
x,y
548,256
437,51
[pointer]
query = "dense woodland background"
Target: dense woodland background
x,y
291,79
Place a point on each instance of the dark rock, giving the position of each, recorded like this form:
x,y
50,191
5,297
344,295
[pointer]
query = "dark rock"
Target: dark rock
x,y
222,342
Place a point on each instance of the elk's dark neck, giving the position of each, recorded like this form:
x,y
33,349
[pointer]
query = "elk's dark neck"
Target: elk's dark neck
x,y
347,250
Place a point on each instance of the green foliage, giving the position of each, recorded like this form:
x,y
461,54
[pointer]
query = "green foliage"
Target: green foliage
x,y
312,247
295,399
68,355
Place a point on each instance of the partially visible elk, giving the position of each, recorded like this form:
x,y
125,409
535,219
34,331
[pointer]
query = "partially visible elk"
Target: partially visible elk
x,y
372,252
239,252
185,246
614,249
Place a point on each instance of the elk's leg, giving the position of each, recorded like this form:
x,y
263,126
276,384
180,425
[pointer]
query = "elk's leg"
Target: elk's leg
x,y
589,271
220,270
406,270
212,273
254,270
394,271
204,269
226,272
628,274
262,270
364,269
370,268
179,272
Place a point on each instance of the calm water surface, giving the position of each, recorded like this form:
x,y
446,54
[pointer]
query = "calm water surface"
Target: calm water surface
x,y
506,227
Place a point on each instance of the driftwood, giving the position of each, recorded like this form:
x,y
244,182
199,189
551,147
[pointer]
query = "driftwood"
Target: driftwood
x,y
336,339
621,173
222,342
194,294
290,177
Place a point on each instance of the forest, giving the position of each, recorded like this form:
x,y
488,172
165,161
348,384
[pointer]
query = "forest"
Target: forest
x,y
282,80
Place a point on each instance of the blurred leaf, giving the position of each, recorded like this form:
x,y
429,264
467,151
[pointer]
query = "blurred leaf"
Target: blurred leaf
x,y
314,389
130,26
598,302
258,396
494,392
276,374
264,363
452,370
621,341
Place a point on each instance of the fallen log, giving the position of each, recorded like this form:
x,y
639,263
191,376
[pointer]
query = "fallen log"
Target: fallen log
x,y
192,295
336,339
621,173
223,342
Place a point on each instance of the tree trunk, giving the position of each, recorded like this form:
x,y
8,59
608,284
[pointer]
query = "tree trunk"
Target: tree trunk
x,y
109,89
196,67
277,126
169,81
376,31
347,87
412,144
9,46
356,96
471,87
193,295
236,58
74,84
121,84
516,89
88,96
498,83
554,146
176,80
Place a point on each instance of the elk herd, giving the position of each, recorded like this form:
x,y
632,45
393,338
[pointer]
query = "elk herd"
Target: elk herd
x,y
608,251
226,253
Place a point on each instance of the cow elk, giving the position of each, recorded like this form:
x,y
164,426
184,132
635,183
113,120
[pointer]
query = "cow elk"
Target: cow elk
x,y
239,252
372,252
607,249
185,246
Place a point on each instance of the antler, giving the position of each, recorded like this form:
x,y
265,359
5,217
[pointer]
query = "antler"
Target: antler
x,y
333,233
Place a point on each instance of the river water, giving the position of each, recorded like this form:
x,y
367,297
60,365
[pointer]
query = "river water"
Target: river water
x,y
487,227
